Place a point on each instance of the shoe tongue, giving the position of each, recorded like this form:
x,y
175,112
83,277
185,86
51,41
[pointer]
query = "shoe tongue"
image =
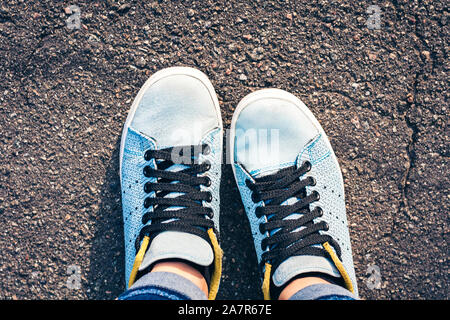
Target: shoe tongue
x,y
298,265
178,245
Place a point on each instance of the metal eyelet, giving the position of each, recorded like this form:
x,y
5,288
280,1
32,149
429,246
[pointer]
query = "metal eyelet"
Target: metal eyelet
x,y
147,171
255,198
263,246
261,229
206,150
147,155
147,203
312,182
326,227
308,165
209,199
258,212
319,211
147,187
315,195
208,182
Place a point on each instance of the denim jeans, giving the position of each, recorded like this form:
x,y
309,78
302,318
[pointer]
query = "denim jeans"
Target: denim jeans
x,y
170,286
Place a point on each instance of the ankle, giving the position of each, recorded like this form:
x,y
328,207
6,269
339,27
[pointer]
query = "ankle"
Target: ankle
x,y
185,270
299,284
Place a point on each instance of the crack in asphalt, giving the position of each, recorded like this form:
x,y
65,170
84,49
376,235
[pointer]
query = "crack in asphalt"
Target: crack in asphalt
x,y
410,151
413,137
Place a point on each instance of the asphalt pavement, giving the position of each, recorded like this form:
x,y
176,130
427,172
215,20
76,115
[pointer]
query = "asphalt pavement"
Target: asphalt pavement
x,y
375,77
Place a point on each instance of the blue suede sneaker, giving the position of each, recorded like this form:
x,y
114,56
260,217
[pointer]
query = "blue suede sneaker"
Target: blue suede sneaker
x,y
170,167
292,190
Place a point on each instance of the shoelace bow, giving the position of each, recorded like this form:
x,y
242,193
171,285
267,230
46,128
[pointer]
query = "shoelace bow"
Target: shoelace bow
x,y
275,189
183,212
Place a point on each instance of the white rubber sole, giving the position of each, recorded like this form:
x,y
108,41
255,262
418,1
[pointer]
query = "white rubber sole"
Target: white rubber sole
x,y
271,94
187,71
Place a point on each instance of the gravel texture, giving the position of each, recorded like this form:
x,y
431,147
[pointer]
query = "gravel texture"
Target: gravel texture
x,y
381,96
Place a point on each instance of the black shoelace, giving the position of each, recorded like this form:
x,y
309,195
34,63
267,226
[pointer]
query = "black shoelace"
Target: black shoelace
x,y
191,217
275,189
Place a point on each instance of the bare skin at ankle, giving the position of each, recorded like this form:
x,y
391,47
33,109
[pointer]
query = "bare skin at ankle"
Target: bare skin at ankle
x,y
299,284
184,270
197,278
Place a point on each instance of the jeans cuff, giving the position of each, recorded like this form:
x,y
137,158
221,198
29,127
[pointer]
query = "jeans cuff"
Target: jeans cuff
x,y
163,283
322,291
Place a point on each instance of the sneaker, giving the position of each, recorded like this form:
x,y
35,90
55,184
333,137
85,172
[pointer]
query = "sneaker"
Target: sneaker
x,y
170,166
292,190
